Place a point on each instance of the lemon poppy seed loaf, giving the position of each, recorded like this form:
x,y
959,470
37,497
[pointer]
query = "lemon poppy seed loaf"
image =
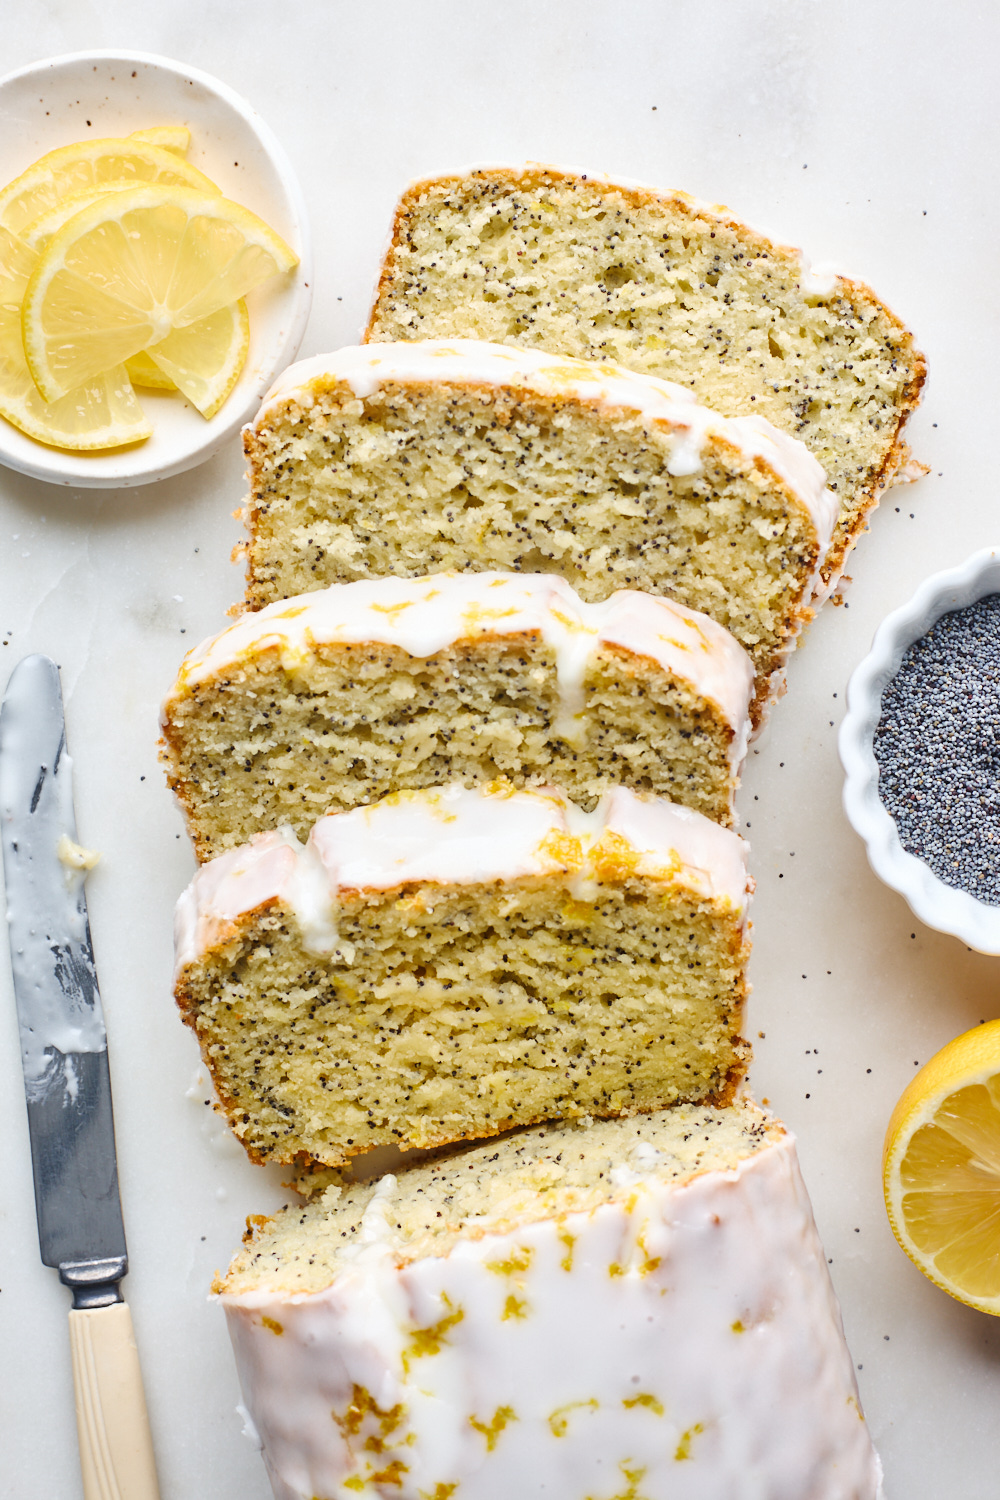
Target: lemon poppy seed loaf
x,y
661,283
632,1307
406,459
342,696
443,965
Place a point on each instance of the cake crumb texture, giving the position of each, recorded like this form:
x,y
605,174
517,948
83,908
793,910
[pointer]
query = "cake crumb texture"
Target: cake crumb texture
x,y
345,1000
421,478
292,713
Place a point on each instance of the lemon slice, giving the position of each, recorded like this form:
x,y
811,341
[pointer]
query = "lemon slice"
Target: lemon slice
x,y
90,164
941,1169
140,368
102,414
204,359
170,137
210,353
38,233
127,271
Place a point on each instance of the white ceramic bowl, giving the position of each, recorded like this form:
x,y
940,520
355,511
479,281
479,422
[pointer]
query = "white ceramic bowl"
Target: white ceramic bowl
x,y
66,99
940,906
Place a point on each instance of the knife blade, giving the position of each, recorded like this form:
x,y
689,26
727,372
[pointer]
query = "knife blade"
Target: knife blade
x,y
64,1058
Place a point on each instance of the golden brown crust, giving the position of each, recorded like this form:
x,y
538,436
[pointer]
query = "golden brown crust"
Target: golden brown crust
x,y
850,528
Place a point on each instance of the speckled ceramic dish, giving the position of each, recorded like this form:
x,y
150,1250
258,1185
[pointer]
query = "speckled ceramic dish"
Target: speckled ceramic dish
x,y
941,906
66,99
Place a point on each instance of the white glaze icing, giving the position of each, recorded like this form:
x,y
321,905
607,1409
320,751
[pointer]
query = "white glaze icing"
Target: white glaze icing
x,y
454,835
366,367
425,615
820,279
684,1343
249,1430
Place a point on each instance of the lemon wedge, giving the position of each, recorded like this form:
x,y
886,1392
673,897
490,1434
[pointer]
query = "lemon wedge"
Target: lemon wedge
x,y
170,137
126,272
102,414
204,359
142,371
91,164
941,1168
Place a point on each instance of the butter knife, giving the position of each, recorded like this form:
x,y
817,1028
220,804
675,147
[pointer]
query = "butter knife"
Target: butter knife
x,y
64,1055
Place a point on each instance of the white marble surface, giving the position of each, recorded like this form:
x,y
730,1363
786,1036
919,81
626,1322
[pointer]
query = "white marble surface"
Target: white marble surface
x,y
865,131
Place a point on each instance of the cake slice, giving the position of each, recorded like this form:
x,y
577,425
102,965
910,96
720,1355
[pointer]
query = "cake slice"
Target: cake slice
x,y
447,964
670,286
321,703
630,1308
407,459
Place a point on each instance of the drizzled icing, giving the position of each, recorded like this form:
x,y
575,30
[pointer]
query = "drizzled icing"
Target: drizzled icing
x,y
681,1338
364,368
424,616
454,835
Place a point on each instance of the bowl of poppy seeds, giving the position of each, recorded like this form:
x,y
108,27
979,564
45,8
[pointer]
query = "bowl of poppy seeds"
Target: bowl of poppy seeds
x,y
921,748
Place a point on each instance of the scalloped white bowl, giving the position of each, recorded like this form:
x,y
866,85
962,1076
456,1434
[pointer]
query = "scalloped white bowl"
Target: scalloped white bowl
x,y
65,99
940,906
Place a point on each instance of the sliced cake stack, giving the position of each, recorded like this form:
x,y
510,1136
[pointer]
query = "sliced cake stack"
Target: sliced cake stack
x,y
462,777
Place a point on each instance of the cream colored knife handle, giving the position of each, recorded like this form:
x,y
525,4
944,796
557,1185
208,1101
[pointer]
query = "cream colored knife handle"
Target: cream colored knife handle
x,y
116,1450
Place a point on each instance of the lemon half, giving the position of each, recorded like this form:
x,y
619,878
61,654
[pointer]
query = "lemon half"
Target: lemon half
x,y
127,271
941,1168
